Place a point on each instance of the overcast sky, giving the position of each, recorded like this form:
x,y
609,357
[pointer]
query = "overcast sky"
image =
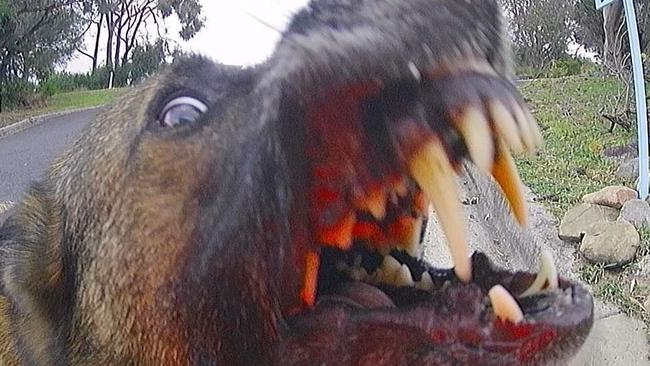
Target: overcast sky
x,y
235,32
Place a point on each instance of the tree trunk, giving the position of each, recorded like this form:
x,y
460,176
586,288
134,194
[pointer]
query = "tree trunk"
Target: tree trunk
x,y
614,50
109,42
96,51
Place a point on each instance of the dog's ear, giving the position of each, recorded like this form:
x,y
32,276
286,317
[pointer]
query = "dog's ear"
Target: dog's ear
x,y
32,275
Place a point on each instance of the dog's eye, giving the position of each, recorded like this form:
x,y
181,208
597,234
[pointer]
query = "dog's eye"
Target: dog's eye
x,y
182,110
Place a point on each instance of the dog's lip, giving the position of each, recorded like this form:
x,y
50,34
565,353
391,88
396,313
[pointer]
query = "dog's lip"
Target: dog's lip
x,y
569,307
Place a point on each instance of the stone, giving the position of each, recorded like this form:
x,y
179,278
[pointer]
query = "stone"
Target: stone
x,y
628,170
579,219
610,243
636,212
624,152
612,196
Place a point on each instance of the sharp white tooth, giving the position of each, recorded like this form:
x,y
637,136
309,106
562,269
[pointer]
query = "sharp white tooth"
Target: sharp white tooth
x,y
433,172
478,138
390,266
546,278
505,173
534,127
506,126
504,305
526,131
425,283
403,277
413,246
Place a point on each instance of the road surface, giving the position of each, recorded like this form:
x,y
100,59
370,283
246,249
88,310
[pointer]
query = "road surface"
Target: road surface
x,y
25,155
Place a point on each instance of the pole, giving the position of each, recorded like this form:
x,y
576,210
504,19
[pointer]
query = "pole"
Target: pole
x,y
639,89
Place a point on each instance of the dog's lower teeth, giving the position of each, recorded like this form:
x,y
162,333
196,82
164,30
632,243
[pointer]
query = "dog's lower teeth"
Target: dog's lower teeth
x,y
547,277
425,283
390,266
403,277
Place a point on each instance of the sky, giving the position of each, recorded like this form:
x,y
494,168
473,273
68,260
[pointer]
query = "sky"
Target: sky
x,y
239,32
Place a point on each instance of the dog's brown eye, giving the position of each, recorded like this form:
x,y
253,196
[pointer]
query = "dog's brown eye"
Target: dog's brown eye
x,y
182,110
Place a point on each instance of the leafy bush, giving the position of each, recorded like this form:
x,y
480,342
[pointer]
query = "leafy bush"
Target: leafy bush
x,y
20,94
558,68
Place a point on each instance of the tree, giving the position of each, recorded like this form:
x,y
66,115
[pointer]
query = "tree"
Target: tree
x,y
35,36
125,22
541,29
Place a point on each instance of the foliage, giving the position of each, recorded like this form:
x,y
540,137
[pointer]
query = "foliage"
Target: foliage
x,y
35,36
567,66
541,30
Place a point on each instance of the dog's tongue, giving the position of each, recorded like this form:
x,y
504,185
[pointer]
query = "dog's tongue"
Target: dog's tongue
x,y
358,295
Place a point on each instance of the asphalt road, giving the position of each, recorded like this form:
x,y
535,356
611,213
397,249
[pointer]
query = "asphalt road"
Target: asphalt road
x,y
25,155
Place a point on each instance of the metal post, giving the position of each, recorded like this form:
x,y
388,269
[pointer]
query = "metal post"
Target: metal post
x,y
639,89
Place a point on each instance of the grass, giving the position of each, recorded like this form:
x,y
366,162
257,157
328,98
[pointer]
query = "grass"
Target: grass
x,y
64,101
571,165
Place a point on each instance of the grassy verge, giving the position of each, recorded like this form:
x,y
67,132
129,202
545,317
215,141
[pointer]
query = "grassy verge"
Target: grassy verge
x,y
64,101
571,165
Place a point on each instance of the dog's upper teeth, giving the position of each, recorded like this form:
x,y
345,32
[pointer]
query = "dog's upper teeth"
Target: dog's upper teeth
x,y
478,138
432,170
504,305
505,173
547,277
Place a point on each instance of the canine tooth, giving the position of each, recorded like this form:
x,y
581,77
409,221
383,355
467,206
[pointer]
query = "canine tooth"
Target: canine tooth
x,y
504,305
433,172
425,283
546,278
505,173
403,277
506,126
478,138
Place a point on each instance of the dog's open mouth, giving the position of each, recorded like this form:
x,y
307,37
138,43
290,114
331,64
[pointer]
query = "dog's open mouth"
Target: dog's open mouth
x,y
378,155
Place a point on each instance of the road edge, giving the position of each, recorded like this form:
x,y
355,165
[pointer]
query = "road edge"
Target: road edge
x,y
29,122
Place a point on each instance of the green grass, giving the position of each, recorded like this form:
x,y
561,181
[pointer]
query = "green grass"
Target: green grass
x,y
83,99
571,165
65,101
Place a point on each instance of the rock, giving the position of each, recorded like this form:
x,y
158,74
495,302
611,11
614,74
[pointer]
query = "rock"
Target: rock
x,y
610,243
628,170
612,196
636,212
579,219
624,152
